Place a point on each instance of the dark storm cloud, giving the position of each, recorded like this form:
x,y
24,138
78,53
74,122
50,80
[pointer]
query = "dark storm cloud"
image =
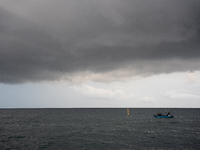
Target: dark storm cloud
x,y
47,40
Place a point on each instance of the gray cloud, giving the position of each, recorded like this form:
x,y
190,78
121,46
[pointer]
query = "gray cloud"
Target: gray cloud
x,y
49,40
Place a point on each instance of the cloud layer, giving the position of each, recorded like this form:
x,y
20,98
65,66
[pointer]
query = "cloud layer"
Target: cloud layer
x,y
97,40
101,93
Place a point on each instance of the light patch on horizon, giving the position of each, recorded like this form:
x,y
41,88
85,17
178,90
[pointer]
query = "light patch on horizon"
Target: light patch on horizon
x,y
181,95
102,93
171,90
146,99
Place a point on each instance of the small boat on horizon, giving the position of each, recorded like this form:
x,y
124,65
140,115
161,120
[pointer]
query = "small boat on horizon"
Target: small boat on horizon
x,y
159,115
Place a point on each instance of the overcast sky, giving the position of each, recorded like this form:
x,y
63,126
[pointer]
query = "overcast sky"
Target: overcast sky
x,y
95,53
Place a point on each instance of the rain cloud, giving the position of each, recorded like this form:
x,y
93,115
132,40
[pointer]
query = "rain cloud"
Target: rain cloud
x,y
77,40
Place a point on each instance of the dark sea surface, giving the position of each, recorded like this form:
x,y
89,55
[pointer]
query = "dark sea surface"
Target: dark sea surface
x,y
102,128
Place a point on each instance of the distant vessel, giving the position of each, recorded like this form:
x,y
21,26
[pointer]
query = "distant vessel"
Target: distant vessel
x,y
159,115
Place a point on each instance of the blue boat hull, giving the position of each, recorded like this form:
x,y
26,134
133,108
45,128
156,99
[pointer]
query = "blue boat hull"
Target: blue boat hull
x,y
163,116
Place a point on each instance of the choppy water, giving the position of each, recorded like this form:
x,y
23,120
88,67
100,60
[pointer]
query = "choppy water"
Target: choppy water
x,y
98,129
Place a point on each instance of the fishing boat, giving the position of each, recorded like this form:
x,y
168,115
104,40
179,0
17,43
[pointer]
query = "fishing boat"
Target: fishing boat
x,y
159,115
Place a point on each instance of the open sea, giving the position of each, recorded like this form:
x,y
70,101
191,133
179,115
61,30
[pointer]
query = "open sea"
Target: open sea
x,y
99,128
